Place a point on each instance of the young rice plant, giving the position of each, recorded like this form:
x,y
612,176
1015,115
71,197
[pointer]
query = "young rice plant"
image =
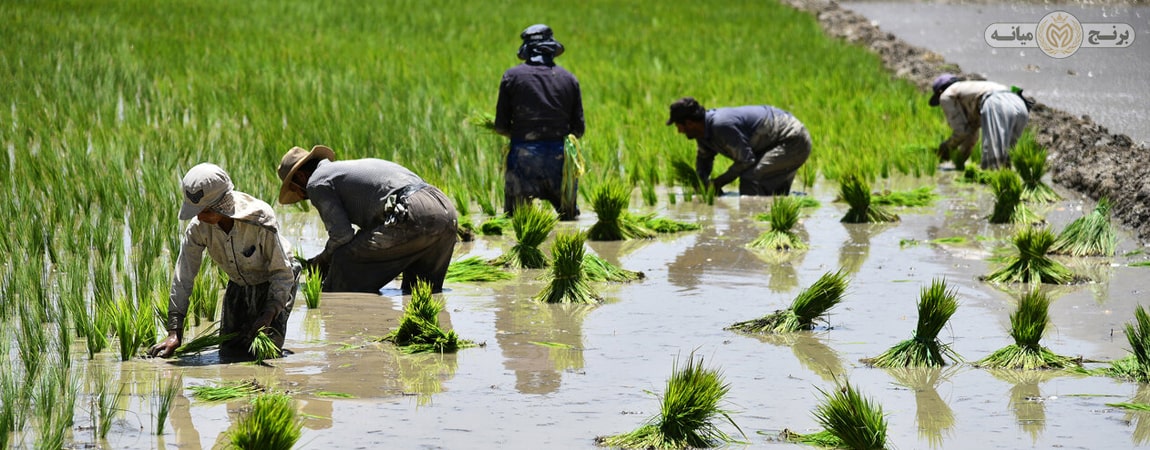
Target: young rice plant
x,y
810,304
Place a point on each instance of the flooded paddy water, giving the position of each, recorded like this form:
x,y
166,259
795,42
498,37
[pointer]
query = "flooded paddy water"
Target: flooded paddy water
x,y
602,363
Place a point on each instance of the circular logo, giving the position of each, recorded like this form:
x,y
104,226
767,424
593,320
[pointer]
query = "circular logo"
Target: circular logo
x,y
1059,34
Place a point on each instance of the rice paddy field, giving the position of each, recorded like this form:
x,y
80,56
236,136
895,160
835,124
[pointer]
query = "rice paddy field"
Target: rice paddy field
x,y
104,106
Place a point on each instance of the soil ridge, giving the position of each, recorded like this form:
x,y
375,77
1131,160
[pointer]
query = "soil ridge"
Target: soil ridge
x,y
1083,156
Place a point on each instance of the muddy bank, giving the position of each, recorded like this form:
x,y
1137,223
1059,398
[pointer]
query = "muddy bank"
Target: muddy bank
x,y
1084,156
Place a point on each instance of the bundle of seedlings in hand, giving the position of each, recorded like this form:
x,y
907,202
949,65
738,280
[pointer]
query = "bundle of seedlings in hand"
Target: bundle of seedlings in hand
x,y
263,347
227,391
688,413
272,423
684,173
205,340
1089,235
533,223
598,269
1136,365
568,278
856,192
482,120
810,304
419,330
849,421
1026,327
610,202
1029,160
312,286
474,268
1031,264
783,216
935,306
1008,206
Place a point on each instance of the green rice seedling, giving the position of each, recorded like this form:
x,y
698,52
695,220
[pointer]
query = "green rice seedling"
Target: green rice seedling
x,y
810,304
1136,365
689,414
684,174
264,348
533,223
55,402
272,423
598,269
106,405
1007,188
935,306
227,391
312,287
850,420
610,202
568,279
205,340
494,226
1029,160
1031,264
922,196
419,330
1027,325
32,341
665,225
1089,235
162,399
474,268
783,216
205,298
856,192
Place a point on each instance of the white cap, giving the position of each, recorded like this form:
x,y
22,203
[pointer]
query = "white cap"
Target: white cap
x,y
204,186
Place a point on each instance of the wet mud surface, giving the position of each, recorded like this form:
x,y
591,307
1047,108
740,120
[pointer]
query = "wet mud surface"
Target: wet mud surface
x,y
1085,156
554,376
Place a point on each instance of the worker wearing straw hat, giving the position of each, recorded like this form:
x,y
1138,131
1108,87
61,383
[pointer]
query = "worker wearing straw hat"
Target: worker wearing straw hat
x,y
767,145
540,107
405,226
241,236
1001,113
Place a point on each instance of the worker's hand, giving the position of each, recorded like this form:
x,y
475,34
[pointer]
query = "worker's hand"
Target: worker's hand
x,y
167,347
943,152
717,187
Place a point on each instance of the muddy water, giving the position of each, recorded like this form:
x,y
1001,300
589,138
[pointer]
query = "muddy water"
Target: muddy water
x,y
515,393
1109,85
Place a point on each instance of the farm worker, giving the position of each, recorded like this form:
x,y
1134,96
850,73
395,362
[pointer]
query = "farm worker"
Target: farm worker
x,y
241,236
1001,113
540,107
767,145
405,226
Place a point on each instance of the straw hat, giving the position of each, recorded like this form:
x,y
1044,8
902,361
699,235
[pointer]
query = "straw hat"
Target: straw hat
x,y
291,162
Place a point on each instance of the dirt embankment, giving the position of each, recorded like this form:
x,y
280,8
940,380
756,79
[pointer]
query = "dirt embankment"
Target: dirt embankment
x,y
1083,156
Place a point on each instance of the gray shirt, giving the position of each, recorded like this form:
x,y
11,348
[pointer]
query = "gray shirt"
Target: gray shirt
x,y
352,192
743,134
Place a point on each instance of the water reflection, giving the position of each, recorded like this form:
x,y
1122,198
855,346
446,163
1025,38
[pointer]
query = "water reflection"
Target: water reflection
x,y
810,351
422,375
539,341
1140,419
934,417
855,250
715,250
1026,400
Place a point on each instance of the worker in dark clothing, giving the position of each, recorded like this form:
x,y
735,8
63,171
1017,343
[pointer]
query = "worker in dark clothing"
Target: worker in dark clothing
x,y
405,226
540,108
768,145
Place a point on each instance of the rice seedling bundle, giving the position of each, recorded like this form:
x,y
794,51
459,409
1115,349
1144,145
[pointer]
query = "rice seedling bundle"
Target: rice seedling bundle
x,y
1029,159
783,216
1089,235
227,390
312,286
533,222
813,302
935,306
1031,264
689,414
850,420
1027,325
598,269
856,192
473,269
610,202
272,423
567,280
419,330
922,196
263,347
665,225
494,226
1007,188
1136,365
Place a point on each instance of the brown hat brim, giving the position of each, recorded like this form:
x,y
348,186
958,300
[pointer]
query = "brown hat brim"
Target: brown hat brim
x,y
287,196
